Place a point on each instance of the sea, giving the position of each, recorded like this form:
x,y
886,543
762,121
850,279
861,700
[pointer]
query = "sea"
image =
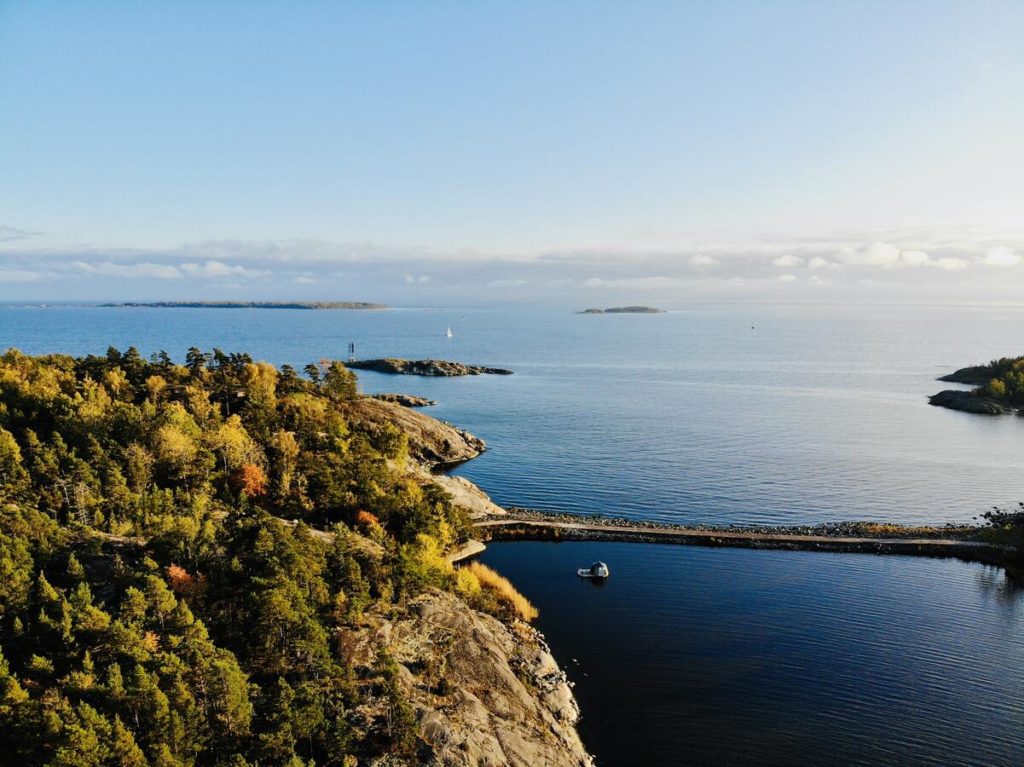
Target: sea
x,y
714,414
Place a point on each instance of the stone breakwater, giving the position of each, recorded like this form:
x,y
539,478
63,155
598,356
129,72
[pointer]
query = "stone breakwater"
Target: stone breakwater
x,y
851,537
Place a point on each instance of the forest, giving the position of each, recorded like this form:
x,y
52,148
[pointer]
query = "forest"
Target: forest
x,y
184,549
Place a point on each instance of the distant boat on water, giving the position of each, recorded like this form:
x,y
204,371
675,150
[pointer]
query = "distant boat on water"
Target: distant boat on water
x,y
448,333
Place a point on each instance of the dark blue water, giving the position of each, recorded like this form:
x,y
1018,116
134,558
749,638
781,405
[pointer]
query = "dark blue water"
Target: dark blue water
x,y
692,656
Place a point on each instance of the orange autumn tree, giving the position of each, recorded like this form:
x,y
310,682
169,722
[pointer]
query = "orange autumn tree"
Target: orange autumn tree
x,y
249,479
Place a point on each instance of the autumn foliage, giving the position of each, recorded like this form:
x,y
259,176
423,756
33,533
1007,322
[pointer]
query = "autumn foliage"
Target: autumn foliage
x,y
249,479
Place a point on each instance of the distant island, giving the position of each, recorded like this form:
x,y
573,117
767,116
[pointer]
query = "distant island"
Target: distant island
x,y
246,305
437,368
625,310
998,388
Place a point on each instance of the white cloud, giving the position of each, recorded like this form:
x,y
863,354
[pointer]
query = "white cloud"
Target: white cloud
x,y
950,264
817,262
787,278
218,269
130,271
914,257
700,260
875,254
1001,256
788,262
818,280
304,280
498,284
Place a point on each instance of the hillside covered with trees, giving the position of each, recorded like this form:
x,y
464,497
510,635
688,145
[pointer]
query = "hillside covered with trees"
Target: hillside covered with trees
x,y
188,553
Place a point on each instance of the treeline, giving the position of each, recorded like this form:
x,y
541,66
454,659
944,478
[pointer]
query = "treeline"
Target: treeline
x,y
183,549
1005,380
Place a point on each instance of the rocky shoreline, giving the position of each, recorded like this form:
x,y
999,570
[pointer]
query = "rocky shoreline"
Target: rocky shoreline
x,y
969,402
405,400
434,368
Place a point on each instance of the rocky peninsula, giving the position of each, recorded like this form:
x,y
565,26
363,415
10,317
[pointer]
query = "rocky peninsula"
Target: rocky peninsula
x,y
625,310
998,388
434,368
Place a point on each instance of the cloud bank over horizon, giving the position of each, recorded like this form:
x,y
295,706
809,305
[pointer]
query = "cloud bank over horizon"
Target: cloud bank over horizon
x,y
954,265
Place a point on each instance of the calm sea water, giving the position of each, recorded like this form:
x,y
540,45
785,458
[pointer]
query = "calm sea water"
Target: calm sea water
x,y
691,656
816,414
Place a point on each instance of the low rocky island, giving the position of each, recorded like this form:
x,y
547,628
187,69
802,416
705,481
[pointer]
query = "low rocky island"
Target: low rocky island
x,y
625,310
435,368
998,388
349,305
405,400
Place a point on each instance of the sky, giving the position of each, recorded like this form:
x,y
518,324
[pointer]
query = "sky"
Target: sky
x,y
458,153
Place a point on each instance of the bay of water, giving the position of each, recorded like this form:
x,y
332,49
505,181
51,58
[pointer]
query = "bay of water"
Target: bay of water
x,y
718,414
694,656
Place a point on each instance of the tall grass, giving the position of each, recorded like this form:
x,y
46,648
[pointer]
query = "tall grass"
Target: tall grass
x,y
501,589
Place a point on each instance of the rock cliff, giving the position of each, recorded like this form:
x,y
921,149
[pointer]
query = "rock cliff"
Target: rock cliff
x,y
485,693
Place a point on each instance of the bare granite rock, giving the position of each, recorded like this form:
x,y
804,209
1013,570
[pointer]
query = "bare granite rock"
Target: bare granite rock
x,y
405,400
485,693
431,442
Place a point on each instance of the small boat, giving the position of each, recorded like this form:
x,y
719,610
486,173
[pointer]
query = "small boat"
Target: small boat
x,y
596,570
448,333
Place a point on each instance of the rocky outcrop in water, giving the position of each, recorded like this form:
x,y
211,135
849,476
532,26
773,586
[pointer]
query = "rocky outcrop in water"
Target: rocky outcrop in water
x,y
969,402
484,692
975,375
438,368
431,442
405,400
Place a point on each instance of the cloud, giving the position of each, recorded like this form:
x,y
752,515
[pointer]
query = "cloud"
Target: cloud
x,y
218,269
700,260
13,234
817,279
949,264
303,280
1001,256
140,271
914,257
634,283
817,262
875,254
19,275
787,278
788,261
498,284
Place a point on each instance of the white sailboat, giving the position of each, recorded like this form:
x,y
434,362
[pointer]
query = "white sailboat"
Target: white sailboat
x,y
448,333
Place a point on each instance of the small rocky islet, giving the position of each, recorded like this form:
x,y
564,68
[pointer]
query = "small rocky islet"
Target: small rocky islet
x,y
433,368
998,388
625,310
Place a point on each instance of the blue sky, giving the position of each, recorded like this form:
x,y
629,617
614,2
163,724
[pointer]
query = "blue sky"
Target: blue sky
x,y
460,152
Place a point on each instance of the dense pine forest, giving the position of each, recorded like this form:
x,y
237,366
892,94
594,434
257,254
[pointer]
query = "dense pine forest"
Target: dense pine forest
x,y
186,551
